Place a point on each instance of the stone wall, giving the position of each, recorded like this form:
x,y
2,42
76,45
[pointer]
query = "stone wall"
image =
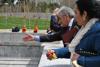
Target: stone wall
x,y
14,52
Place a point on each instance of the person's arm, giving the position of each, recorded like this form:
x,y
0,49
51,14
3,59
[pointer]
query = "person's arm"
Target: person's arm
x,y
62,52
93,61
50,38
44,38
30,37
36,38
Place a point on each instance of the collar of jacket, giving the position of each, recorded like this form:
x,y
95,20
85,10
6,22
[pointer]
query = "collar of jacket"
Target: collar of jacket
x,y
81,34
70,25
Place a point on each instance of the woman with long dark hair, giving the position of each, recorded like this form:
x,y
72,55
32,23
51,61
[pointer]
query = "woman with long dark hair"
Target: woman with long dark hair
x,y
85,47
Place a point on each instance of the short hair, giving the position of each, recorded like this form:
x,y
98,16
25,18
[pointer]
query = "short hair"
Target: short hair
x,y
64,10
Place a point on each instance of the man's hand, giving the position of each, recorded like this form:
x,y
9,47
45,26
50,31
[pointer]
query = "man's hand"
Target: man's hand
x,y
28,37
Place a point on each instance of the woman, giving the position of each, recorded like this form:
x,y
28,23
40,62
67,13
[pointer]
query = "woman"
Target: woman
x,y
85,47
54,26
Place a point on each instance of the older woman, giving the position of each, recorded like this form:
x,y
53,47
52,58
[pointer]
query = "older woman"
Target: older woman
x,y
85,47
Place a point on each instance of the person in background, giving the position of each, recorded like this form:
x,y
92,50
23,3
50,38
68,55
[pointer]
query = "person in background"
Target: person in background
x,y
54,26
85,47
69,28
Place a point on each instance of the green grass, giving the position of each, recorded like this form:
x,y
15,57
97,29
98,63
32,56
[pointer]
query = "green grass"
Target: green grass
x,y
9,22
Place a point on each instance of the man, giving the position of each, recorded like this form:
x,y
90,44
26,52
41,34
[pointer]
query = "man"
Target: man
x,y
65,17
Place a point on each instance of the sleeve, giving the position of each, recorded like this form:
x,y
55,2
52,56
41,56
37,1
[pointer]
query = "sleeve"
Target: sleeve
x,y
93,61
37,38
50,38
62,52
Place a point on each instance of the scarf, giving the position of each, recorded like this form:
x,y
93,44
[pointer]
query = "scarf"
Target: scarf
x,y
81,33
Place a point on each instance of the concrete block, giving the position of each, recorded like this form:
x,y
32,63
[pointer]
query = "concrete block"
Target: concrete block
x,y
14,52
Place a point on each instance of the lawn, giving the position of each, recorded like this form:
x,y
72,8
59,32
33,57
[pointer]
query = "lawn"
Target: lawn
x,y
9,22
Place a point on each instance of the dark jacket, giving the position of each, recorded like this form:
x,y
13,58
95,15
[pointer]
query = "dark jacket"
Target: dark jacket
x,y
54,24
89,47
64,34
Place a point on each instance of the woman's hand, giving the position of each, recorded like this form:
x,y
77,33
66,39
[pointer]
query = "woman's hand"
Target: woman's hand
x,y
75,56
